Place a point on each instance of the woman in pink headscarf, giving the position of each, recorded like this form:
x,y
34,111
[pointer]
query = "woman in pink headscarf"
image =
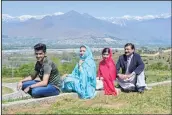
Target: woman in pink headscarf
x,y
107,72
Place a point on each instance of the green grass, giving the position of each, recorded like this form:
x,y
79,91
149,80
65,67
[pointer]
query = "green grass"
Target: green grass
x,y
11,80
157,76
6,90
155,101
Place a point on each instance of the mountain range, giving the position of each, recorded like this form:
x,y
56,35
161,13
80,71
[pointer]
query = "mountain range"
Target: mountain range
x,y
75,28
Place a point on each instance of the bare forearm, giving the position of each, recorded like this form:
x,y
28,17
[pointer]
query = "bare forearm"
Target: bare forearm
x,y
39,84
119,74
42,83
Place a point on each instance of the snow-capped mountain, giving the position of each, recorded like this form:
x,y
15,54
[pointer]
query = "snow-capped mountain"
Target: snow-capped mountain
x,y
127,19
73,27
22,18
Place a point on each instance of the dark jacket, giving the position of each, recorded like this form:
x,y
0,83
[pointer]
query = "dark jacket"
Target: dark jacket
x,y
136,64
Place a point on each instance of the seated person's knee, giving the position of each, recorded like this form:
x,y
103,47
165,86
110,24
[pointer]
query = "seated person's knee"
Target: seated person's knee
x,y
35,93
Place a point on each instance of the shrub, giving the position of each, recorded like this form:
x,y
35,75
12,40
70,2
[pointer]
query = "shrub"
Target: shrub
x,y
25,70
6,72
157,66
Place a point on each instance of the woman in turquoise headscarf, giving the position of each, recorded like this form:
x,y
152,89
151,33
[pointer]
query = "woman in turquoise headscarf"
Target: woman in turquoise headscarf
x,y
83,77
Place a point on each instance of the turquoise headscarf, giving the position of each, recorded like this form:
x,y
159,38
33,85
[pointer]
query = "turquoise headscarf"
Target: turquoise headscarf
x,y
83,80
88,54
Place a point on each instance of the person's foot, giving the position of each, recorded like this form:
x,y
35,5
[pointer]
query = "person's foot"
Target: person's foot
x,y
130,89
141,89
117,91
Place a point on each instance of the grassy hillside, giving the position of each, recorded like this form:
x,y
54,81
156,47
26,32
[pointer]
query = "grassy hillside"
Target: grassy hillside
x,y
155,101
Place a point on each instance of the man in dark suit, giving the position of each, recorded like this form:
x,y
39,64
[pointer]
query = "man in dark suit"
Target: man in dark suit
x,y
132,77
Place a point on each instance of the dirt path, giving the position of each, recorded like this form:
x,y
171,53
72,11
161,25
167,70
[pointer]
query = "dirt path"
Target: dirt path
x,y
13,86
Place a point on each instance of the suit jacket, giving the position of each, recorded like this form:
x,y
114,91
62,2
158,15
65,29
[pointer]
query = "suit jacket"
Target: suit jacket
x,y
136,64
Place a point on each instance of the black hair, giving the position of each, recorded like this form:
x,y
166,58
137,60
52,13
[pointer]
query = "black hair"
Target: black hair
x,y
130,44
106,50
40,46
83,47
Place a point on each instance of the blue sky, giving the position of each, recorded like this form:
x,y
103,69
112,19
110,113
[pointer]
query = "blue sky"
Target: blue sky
x,y
94,8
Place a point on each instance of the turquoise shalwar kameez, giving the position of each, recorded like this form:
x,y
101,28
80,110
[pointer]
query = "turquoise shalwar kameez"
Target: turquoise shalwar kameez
x,y
83,77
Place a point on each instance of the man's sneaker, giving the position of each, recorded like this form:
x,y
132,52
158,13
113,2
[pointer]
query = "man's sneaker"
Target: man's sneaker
x,y
130,89
141,89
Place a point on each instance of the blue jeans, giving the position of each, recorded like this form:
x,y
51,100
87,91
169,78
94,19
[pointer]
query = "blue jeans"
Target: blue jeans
x,y
43,91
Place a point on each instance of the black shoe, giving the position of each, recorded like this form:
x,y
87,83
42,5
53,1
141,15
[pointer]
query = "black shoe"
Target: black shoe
x,y
141,89
130,89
